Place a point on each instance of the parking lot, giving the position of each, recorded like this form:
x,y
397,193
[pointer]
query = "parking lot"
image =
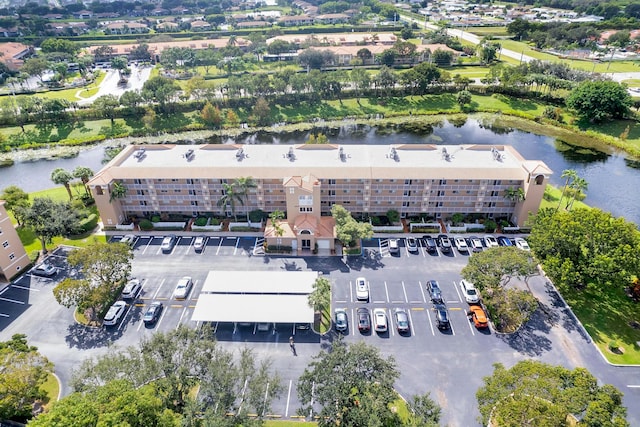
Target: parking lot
x,y
448,363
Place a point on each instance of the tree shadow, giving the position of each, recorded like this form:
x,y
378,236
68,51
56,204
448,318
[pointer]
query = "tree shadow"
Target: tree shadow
x,y
326,264
370,259
526,340
84,337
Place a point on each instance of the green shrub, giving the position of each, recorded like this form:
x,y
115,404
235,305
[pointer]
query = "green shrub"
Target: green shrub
x,y
490,226
214,221
89,223
279,249
201,221
393,215
145,225
257,215
155,218
375,221
613,345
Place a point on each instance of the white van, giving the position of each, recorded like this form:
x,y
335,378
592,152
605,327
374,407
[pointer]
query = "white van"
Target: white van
x,y
393,246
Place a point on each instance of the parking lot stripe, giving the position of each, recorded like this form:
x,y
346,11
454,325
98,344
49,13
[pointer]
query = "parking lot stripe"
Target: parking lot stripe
x,y
471,327
25,288
12,300
4,315
235,249
351,290
455,286
341,301
286,408
122,322
181,316
391,323
424,297
219,245
413,326
386,290
430,323
353,323
158,290
405,292
186,252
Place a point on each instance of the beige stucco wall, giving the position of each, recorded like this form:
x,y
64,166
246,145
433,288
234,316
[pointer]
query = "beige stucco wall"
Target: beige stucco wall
x,y
13,257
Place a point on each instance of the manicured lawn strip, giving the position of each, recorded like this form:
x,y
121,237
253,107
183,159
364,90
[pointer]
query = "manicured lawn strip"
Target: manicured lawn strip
x,y
283,423
488,31
606,312
552,197
52,388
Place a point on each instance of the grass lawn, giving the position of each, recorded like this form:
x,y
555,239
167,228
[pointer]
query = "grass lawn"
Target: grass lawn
x,y
283,423
488,31
52,388
468,71
605,313
552,197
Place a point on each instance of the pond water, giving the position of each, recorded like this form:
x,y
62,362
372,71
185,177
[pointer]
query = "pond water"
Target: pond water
x,y
614,181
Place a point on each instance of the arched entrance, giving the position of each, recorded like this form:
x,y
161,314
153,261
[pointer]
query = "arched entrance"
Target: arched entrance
x,y
304,237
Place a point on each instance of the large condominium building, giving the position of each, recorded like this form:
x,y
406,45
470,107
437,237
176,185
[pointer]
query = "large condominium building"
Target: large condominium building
x,y
305,180
13,257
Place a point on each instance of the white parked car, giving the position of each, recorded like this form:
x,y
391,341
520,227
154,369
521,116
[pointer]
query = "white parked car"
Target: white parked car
x,y
491,242
131,289
182,288
380,320
362,289
461,244
475,244
115,313
521,244
198,244
129,239
412,244
470,292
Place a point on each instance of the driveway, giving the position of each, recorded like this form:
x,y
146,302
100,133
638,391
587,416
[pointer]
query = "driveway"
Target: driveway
x,y
110,86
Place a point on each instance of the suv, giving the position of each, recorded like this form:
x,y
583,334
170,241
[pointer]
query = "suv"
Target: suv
x,y
393,246
44,270
461,244
434,291
364,319
168,243
430,244
470,292
341,320
362,289
380,320
412,244
442,317
182,288
131,289
198,244
115,313
444,242
402,320
153,313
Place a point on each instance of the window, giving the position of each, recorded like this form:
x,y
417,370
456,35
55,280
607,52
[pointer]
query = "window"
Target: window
x,y
0,230
194,203
140,192
497,182
174,179
495,193
292,190
454,192
407,182
306,209
407,193
332,182
439,204
306,200
440,193
332,192
443,182
539,179
192,192
405,204
12,255
143,203
5,244
189,181
177,190
137,181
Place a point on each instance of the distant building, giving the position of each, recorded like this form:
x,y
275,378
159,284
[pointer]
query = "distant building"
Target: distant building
x,y
13,54
13,257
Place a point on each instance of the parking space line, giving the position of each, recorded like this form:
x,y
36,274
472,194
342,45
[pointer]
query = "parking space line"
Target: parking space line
x,y
255,327
219,245
147,247
186,252
286,409
386,290
4,315
6,289
350,291
164,311
391,323
341,301
471,327
424,297
424,249
455,286
124,317
430,323
25,288
405,292
235,249
12,300
413,327
353,323
158,290
181,316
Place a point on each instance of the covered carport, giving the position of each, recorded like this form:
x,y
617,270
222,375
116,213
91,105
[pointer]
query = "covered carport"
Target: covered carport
x,y
256,297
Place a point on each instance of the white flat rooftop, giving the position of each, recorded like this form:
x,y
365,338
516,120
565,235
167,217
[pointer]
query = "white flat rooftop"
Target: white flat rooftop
x,y
259,282
256,296
257,308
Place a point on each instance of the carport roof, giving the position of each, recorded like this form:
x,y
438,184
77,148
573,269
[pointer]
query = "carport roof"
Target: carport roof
x,y
259,282
272,308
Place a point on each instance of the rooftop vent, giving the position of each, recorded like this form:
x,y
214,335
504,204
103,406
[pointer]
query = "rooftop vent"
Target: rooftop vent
x,y
139,154
497,156
343,156
189,154
290,155
445,154
393,154
240,154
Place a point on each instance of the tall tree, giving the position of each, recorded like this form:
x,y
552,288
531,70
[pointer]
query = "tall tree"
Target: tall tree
x,y
15,201
24,372
48,219
84,174
349,230
61,176
569,176
105,266
36,67
244,185
320,297
106,106
229,198
118,191
597,101
353,385
535,393
424,411
514,195
577,187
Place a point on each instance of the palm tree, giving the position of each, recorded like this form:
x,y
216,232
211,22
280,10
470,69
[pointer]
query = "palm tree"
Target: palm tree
x,y
514,194
244,184
275,217
62,177
229,198
84,174
118,191
577,187
569,175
